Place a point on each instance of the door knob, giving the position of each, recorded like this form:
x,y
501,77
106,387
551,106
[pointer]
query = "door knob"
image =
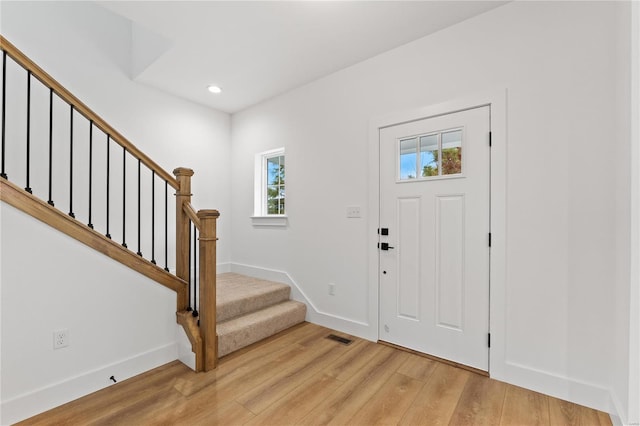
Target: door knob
x,y
385,246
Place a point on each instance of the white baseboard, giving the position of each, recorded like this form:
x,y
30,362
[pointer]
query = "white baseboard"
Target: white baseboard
x,y
54,395
223,267
617,413
614,410
548,383
314,315
558,386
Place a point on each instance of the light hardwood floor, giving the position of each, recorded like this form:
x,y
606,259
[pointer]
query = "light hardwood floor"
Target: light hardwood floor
x,y
299,377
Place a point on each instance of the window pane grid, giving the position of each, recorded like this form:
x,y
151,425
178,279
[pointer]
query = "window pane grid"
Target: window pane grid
x,y
430,155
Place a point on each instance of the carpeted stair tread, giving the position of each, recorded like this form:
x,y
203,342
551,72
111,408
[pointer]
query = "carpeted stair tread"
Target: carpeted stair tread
x,y
239,294
242,331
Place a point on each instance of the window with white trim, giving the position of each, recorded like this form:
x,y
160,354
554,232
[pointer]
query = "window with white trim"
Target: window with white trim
x,y
270,198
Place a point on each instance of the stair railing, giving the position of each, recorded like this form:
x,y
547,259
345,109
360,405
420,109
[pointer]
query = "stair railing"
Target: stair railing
x,y
200,225
23,198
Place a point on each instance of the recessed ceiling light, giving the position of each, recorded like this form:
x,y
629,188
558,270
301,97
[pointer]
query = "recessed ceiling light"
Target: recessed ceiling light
x,y
214,89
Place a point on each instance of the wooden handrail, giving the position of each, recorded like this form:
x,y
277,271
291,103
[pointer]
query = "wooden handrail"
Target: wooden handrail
x,y
33,206
80,107
191,212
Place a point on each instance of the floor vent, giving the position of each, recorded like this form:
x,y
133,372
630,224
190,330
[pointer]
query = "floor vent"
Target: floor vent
x,y
339,339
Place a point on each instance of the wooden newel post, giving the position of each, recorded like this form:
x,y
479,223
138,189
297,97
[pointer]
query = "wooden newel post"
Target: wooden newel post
x,y
208,332
183,195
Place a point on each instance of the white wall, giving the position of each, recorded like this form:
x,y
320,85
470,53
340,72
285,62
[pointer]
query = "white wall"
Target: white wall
x,y
120,323
561,66
88,50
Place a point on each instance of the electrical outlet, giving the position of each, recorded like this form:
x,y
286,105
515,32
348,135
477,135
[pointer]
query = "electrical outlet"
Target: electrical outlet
x,y
332,289
60,338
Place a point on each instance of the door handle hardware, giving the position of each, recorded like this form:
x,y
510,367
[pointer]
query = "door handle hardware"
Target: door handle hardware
x,y
384,246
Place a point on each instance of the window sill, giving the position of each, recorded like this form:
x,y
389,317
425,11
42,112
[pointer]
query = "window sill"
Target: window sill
x,y
269,220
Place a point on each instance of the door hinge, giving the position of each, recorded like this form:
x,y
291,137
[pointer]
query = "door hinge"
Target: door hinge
x,y
489,339
489,239
490,142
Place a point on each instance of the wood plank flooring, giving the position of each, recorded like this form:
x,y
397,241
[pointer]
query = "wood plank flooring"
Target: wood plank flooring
x,y
299,377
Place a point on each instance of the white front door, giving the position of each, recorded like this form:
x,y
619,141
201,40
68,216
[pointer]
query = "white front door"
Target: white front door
x,y
434,236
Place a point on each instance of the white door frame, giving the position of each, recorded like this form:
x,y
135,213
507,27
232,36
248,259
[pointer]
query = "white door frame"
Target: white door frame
x,y
497,100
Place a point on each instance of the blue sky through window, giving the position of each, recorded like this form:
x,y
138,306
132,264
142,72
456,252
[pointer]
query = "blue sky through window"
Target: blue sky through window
x,y
408,163
408,166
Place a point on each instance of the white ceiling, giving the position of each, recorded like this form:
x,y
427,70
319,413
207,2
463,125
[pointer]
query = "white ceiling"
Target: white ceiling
x,y
257,50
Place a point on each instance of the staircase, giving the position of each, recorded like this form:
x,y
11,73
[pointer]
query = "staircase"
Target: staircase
x,y
251,309
233,312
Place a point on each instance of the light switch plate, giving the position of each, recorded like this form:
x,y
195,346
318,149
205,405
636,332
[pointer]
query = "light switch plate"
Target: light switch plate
x,y
353,211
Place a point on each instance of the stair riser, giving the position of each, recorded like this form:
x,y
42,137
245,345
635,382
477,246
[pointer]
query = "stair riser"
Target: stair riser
x,y
231,338
236,308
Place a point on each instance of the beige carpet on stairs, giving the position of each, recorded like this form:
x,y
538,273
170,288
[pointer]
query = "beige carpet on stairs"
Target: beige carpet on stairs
x,y
251,309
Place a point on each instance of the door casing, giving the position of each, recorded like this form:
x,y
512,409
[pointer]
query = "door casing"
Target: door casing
x,y
497,101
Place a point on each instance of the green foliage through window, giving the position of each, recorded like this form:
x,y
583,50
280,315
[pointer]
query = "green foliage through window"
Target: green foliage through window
x,y
275,185
451,163
432,155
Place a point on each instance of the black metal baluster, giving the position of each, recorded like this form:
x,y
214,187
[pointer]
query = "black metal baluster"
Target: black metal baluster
x,y
71,165
50,202
166,226
124,194
4,107
189,308
28,188
108,235
90,225
153,217
139,253
195,272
